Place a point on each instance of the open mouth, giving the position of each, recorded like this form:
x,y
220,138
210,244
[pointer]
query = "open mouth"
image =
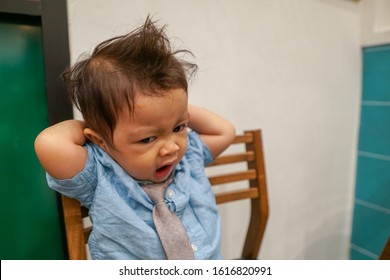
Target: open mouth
x,y
163,171
162,168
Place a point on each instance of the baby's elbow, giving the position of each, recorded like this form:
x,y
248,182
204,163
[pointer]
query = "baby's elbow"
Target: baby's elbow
x,y
39,143
230,132
227,138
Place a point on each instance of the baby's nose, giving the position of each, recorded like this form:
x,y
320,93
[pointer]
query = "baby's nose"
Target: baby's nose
x,y
169,148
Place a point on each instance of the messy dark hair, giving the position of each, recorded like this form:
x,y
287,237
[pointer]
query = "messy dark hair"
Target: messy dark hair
x,y
105,84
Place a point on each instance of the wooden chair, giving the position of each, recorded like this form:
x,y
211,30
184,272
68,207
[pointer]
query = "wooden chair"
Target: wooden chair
x,y
255,189
385,254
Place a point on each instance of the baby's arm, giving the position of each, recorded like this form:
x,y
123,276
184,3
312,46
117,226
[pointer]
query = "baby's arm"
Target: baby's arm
x,y
59,149
215,131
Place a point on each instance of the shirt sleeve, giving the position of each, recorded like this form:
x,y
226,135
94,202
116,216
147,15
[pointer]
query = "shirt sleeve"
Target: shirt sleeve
x,y
198,149
82,185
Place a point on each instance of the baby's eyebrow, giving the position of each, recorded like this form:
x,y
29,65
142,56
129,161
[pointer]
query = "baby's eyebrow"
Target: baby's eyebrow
x,y
143,132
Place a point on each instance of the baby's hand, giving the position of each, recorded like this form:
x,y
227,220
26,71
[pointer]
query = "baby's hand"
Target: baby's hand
x,y
217,132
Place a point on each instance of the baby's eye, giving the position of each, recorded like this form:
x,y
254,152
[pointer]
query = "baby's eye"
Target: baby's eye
x,y
180,128
147,140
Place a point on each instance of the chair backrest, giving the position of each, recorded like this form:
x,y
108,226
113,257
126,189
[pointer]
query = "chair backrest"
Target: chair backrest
x,y
253,172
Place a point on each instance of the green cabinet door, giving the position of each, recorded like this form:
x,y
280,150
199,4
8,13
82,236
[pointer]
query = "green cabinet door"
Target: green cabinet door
x,y
30,227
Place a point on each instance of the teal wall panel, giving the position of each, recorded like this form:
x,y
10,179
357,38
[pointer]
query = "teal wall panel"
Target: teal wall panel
x,y
29,218
371,218
371,227
376,84
374,130
373,180
356,255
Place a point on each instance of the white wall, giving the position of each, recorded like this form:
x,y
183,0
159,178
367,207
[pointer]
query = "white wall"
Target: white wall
x,y
375,22
289,67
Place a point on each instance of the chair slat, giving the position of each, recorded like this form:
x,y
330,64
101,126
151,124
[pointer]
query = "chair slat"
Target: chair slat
x,y
73,228
236,195
233,177
244,138
233,158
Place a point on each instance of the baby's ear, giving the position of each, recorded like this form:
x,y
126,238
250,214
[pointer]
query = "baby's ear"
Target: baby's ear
x,y
95,137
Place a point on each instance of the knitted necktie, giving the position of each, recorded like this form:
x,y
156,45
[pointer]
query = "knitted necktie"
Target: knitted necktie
x,y
170,230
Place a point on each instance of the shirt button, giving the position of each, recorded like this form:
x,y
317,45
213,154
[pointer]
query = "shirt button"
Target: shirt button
x,y
194,248
171,193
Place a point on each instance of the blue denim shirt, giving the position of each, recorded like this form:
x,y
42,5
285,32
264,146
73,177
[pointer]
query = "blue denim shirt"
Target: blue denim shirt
x,y
121,212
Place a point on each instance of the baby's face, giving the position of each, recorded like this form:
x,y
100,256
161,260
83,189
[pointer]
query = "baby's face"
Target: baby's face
x,y
150,142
